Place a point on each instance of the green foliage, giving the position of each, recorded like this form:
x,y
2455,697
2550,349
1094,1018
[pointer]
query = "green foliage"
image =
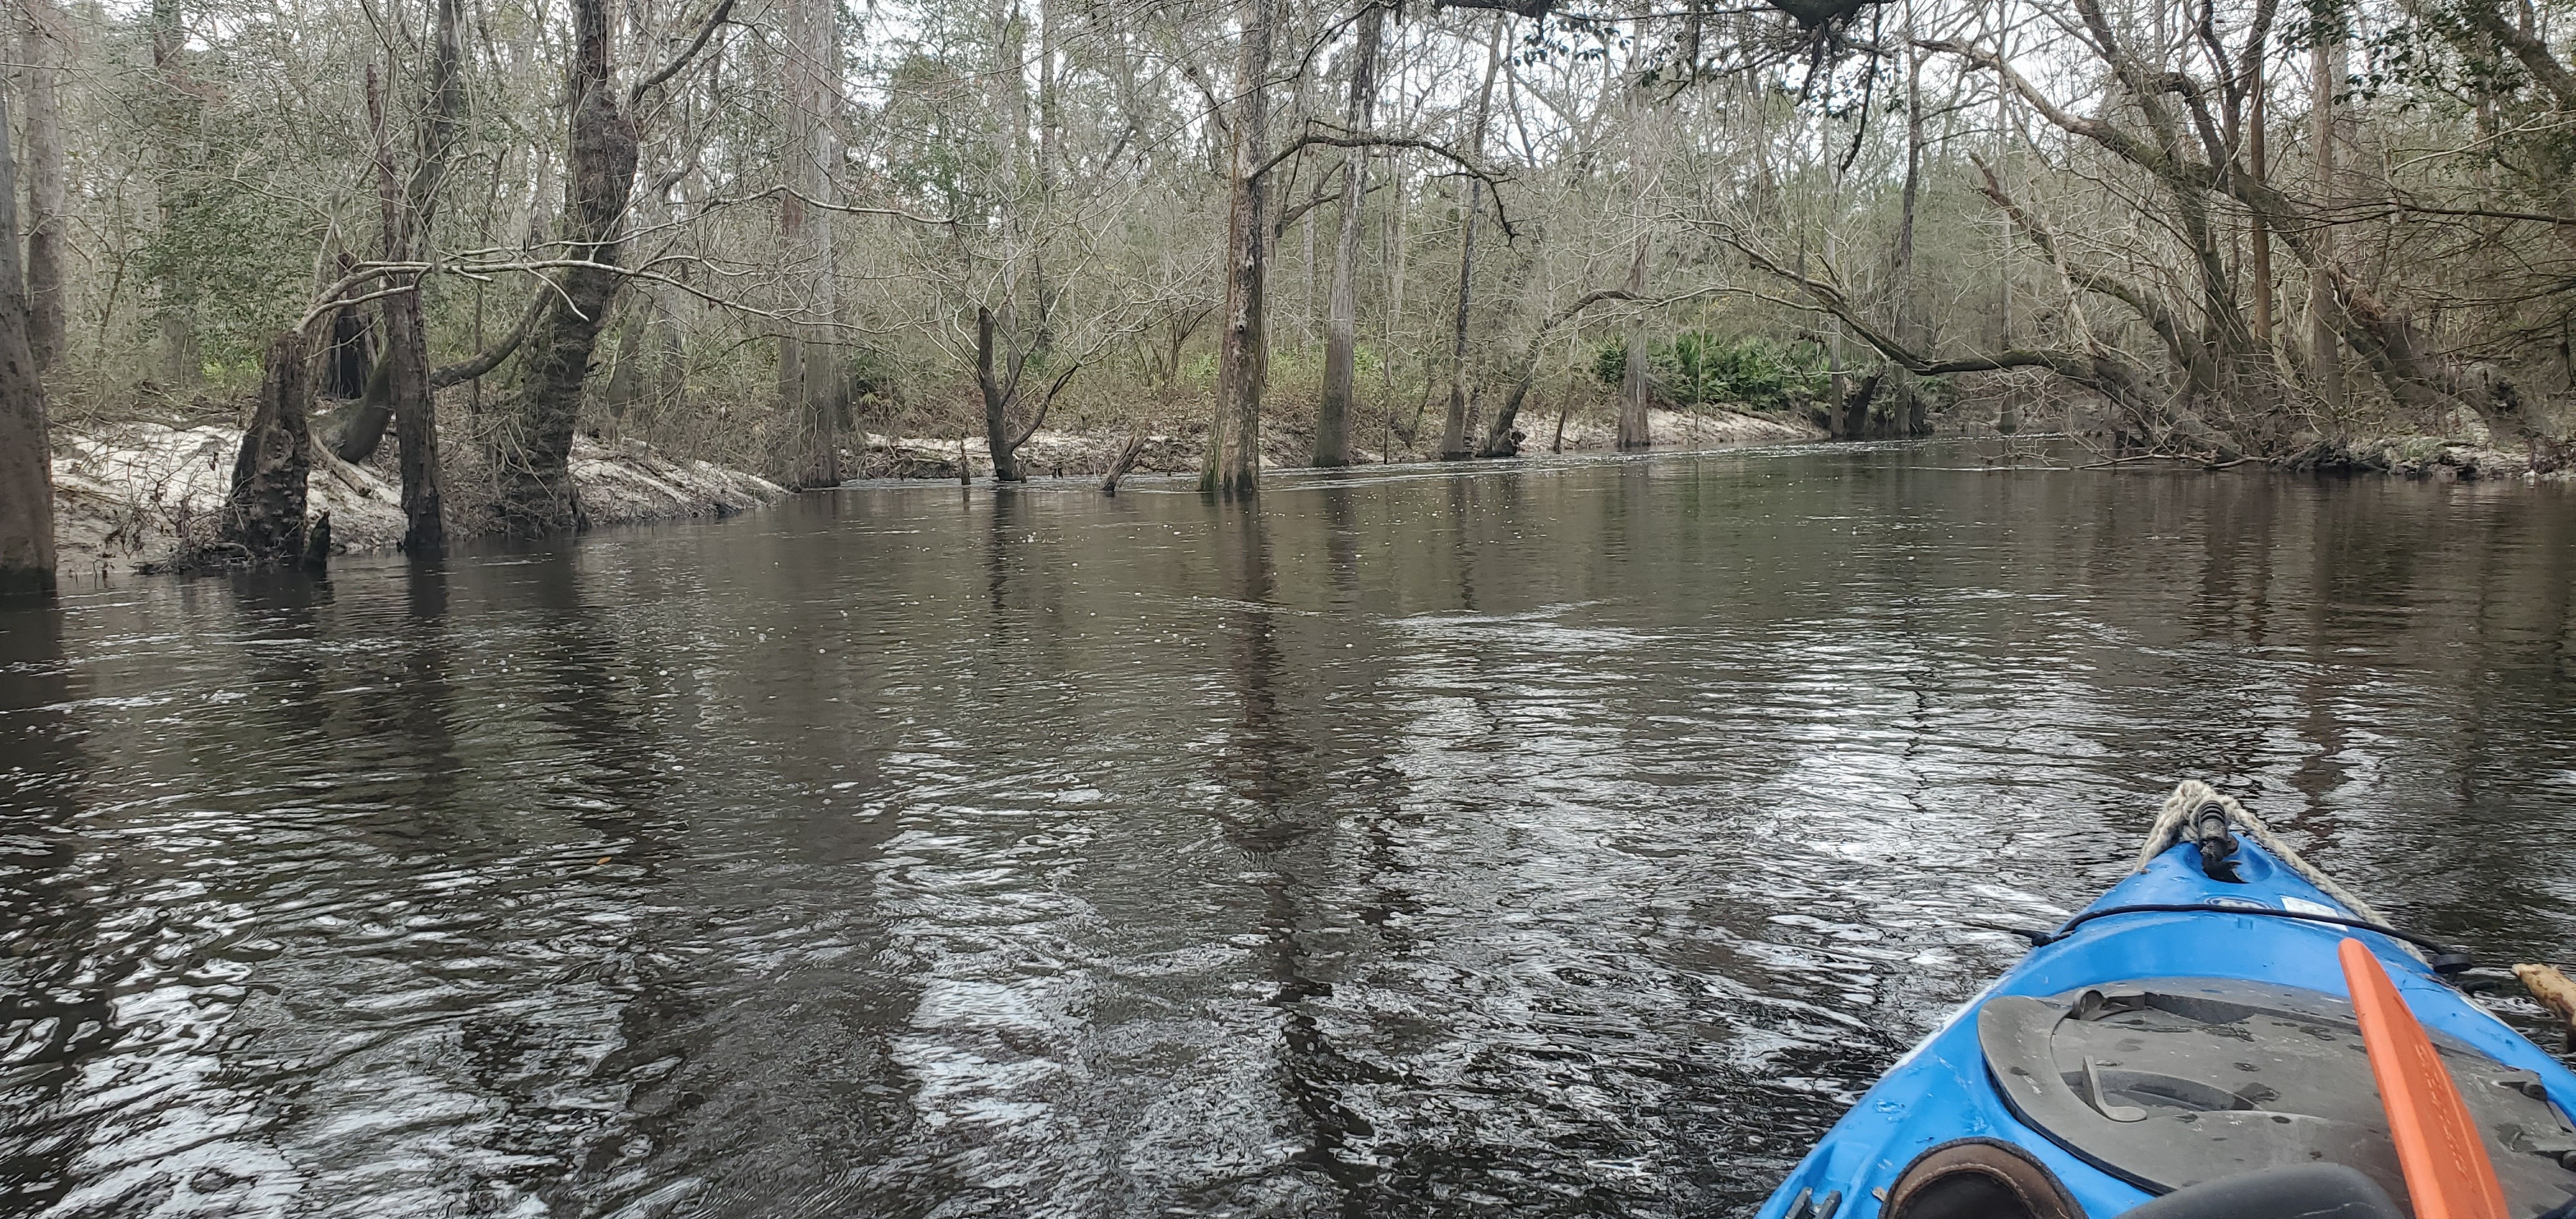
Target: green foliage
x,y
1610,364
1696,368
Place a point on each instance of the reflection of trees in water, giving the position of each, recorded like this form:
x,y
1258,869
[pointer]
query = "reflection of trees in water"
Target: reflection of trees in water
x,y
157,982
753,1057
1025,626
608,771
1280,820
55,1009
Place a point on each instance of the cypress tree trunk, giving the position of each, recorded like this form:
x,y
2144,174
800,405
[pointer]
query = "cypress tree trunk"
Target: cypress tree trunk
x,y
808,367
1341,327
535,465
1001,391
45,42
1242,366
182,365
265,513
26,447
1633,431
2326,358
1453,426
408,218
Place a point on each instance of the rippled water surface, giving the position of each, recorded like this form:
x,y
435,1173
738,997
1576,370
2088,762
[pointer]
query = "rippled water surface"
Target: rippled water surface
x,y
1574,839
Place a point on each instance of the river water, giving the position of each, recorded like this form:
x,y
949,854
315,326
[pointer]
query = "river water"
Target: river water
x,y
1550,839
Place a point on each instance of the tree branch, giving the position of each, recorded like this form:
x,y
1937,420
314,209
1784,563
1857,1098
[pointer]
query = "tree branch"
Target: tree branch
x,y
468,369
1312,139
706,30
810,201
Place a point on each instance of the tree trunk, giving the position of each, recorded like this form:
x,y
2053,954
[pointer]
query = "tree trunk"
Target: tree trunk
x,y
363,428
1341,335
1633,430
1398,238
1901,283
1502,438
1453,427
1855,407
998,399
1242,364
2262,236
406,368
264,514
2325,361
345,367
415,406
1837,381
808,364
46,43
26,445
181,363
1905,319
535,471
1129,453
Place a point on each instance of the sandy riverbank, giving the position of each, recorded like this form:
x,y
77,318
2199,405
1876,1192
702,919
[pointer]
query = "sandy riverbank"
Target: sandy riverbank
x,y
125,495
1078,454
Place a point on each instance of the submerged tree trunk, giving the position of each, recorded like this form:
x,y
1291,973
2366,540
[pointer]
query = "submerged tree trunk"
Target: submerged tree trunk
x,y
408,219
1453,427
1000,390
264,515
406,369
1242,363
46,44
535,465
809,378
1633,430
26,447
1341,327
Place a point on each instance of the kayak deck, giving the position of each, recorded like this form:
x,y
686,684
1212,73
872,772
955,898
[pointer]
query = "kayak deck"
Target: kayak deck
x,y
1944,1091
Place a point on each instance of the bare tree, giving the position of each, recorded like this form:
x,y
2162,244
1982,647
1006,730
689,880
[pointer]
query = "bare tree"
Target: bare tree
x,y
408,214
1453,428
1341,334
264,514
535,462
45,42
26,444
1234,454
810,383
1633,390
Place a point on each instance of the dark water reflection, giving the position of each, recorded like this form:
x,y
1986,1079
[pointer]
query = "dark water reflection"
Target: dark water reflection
x,y
1576,840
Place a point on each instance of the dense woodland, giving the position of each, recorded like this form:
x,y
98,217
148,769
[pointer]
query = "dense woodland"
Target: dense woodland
x,y
451,235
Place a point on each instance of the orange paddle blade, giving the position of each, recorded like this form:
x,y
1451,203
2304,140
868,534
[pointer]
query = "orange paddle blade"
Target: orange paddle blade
x,y
2448,1175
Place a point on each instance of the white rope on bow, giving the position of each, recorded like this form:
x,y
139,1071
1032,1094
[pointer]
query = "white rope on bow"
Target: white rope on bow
x,y
2177,823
